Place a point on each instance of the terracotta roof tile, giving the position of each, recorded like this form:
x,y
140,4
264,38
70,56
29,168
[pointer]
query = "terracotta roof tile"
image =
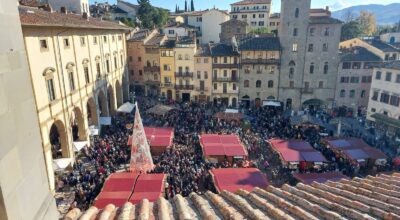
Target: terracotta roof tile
x,y
248,2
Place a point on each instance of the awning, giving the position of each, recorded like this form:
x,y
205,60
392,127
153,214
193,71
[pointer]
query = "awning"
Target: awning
x,y
105,120
272,103
229,110
78,145
93,130
127,107
61,164
386,120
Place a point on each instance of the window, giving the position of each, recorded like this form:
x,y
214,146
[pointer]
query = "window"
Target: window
x,y
261,23
186,57
352,93
388,76
95,40
140,72
291,84
71,80
375,96
326,32
198,75
270,84
326,68
292,64
215,60
373,109
320,84
325,47
398,78
362,94
130,59
254,15
385,98
342,93
225,73
312,31
354,79
244,16
394,100
346,65
356,65
294,47
378,75
344,79
234,86
83,42
272,70
296,13
246,84
165,67
310,47
312,68
119,37
171,31
86,71
108,65
66,43
43,45
105,39
215,86
205,75
139,59
258,84
50,89
261,15
205,60
198,60
294,32
98,69
115,62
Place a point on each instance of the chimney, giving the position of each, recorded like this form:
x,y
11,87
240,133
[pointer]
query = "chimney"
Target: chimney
x,y
63,10
85,16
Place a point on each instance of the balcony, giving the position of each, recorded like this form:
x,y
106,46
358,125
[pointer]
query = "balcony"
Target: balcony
x,y
184,74
225,79
152,82
203,89
307,90
168,85
151,69
184,87
225,65
260,61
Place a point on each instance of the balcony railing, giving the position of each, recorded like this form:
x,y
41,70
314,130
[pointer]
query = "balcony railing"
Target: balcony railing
x,y
153,82
184,74
151,69
225,65
260,61
225,79
168,85
201,89
307,90
184,87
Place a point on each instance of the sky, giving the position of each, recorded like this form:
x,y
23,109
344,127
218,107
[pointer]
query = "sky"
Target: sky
x,y
225,4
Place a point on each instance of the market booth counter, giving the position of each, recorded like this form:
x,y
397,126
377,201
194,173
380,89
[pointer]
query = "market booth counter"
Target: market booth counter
x,y
216,148
296,154
160,139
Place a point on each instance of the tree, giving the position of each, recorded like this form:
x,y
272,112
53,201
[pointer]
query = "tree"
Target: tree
x,y
351,30
262,30
367,22
150,16
186,9
160,17
127,22
348,16
192,5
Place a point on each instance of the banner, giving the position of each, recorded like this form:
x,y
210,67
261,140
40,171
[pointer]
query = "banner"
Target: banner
x,y
141,160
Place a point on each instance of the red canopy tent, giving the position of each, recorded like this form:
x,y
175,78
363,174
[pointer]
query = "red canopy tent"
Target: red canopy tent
x,y
296,151
232,179
216,147
159,139
308,178
148,186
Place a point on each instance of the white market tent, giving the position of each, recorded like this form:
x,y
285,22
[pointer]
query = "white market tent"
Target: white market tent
x,y
272,103
78,145
230,110
127,107
61,164
105,120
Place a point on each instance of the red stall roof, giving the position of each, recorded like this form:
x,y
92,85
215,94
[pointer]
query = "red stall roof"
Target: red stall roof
x,y
296,151
222,145
116,198
308,178
148,186
124,181
356,148
232,179
157,137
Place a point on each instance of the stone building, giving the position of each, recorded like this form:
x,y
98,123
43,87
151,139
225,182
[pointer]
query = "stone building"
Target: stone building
x,y
259,69
225,74
167,69
78,74
310,58
25,190
385,50
384,97
255,12
202,76
74,6
354,78
232,28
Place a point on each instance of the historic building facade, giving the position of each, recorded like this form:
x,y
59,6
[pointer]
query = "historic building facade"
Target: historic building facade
x,y
225,74
232,28
255,12
202,75
259,69
78,75
167,65
309,56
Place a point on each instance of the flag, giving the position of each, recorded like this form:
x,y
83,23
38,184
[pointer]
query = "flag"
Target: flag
x,y
141,160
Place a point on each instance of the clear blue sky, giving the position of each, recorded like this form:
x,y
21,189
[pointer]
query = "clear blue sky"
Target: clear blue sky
x,y
224,4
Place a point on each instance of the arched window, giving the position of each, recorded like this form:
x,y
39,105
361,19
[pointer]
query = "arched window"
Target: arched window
x,y
342,93
270,84
85,64
258,84
296,13
71,77
155,77
48,74
362,93
246,84
312,68
352,93
148,63
179,57
326,68
292,64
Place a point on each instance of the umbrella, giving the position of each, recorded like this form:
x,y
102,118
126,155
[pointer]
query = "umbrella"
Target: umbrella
x,y
396,161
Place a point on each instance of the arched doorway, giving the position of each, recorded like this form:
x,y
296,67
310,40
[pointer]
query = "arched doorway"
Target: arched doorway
x,y
102,104
92,112
118,92
58,140
78,125
313,104
246,101
257,102
111,100
289,103
169,94
234,102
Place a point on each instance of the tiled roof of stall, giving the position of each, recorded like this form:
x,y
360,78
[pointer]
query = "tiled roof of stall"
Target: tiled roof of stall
x,y
31,16
375,197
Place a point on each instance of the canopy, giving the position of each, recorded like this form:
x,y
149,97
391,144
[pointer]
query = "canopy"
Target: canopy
x,y
229,110
233,179
296,151
127,107
308,178
222,145
61,164
160,109
93,130
105,120
118,199
78,145
157,137
272,103
148,186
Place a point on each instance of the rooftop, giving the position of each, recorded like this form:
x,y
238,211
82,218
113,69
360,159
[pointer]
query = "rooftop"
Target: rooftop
x,y
324,20
31,16
140,35
223,50
179,25
375,197
156,40
390,65
250,2
260,43
235,21
203,51
358,54
385,47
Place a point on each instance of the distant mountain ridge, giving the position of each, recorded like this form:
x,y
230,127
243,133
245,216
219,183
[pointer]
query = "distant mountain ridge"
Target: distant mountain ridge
x,y
385,14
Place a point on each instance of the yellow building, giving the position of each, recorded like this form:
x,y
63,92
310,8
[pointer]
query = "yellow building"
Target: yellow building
x,y
202,76
167,65
78,74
